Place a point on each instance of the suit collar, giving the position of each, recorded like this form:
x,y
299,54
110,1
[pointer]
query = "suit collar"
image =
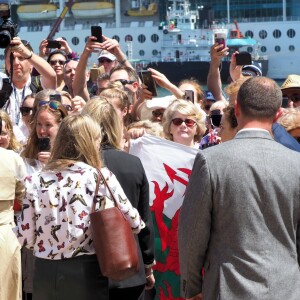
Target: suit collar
x,y
253,133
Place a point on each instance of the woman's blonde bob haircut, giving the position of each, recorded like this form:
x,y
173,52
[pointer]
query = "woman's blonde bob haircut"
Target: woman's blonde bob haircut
x,y
76,140
186,108
103,112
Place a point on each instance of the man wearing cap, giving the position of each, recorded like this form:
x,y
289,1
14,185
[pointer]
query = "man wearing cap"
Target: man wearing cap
x,y
291,90
107,60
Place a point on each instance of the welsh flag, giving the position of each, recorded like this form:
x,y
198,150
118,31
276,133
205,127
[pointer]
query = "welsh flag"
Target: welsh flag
x,y
168,167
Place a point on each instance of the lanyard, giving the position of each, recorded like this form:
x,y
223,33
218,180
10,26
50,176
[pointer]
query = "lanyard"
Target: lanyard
x,y
17,103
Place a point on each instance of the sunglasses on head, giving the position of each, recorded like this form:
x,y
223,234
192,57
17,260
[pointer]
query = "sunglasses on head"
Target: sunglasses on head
x,y
54,62
104,60
188,122
25,111
124,81
55,105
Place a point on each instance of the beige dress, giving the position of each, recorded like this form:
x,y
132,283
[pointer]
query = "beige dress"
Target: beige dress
x,y
12,174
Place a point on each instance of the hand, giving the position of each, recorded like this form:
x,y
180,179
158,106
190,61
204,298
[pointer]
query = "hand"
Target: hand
x,y
43,157
92,46
17,46
235,70
134,133
150,281
64,46
77,104
160,78
43,50
111,45
145,94
197,297
216,54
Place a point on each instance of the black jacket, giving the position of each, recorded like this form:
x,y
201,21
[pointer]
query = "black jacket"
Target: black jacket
x,y
130,173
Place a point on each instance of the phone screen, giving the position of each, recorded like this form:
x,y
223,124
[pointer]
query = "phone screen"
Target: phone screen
x,y
96,31
148,80
55,97
189,95
44,144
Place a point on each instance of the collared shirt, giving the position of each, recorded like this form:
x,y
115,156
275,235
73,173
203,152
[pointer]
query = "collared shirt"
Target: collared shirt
x,y
12,106
57,206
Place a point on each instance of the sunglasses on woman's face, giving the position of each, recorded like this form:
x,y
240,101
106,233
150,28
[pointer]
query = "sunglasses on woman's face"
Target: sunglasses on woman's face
x,y
25,111
55,62
188,122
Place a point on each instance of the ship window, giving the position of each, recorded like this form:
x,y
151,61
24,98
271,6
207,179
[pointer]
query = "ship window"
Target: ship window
x,y
291,33
263,49
116,37
292,48
277,48
154,38
128,38
154,52
141,52
263,34
250,49
75,40
249,33
277,33
141,38
1,57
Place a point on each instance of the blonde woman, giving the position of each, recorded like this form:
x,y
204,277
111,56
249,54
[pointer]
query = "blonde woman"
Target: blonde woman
x,y
183,123
58,224
130,173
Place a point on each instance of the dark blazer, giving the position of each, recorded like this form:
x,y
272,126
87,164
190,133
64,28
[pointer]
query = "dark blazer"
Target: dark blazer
x,y
131,174
240,220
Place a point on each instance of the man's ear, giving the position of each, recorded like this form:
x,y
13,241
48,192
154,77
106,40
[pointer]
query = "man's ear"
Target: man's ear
x,y
237,109
278,114
135,85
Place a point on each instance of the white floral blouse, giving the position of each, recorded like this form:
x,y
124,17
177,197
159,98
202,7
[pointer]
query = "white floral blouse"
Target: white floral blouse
x,y
55,219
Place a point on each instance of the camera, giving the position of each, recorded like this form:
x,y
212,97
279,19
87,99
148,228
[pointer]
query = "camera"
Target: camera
x,y
5,91
8,30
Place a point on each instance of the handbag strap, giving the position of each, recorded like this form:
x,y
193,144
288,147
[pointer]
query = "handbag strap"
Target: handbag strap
x,y
100,175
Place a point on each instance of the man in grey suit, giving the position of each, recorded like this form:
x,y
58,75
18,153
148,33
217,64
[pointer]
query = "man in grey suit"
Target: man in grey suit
x,y
240,216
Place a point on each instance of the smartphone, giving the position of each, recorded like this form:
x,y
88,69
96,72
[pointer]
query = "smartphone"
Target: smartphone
x,y
220,38
243,58
96,31
53,44
55,97
189,95
44,144
147,79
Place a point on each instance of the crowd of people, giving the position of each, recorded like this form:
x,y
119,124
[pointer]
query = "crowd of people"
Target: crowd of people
x,y
58,125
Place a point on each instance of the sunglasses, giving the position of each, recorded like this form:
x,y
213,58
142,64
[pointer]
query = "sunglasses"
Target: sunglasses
x,y
215,120
101,61
188,122
55,105
124,81
157,113
294,98
207,107
54,62
25,111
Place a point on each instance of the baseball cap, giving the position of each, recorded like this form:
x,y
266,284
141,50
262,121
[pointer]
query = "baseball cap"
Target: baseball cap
x,y
107,55
252,70
209,96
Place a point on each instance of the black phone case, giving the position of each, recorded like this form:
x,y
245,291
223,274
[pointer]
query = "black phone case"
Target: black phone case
x,y
53,44
243,58
96,31
148,80
44,144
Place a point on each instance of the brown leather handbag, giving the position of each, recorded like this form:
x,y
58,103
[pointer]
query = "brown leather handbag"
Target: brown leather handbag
x,y
113,239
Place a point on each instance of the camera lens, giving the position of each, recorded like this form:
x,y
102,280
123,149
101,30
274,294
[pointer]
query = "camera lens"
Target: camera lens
x,y
5,38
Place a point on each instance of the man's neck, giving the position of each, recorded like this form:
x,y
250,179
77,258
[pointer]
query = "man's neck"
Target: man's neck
x,y
19,83
266,125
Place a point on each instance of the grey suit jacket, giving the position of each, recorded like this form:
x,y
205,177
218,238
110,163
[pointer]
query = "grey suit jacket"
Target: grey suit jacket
x,y
240,221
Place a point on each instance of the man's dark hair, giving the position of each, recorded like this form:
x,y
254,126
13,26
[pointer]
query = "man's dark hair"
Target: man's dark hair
x,y
132,74
259,98
0,125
